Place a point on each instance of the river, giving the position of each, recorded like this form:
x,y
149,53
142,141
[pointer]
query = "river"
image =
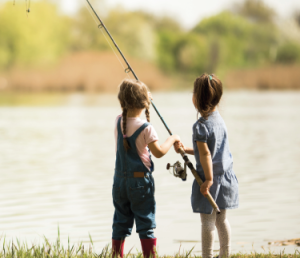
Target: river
x,y
57,168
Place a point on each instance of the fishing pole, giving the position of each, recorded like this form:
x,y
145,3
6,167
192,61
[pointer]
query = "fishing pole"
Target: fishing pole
x,y
129,68
177,167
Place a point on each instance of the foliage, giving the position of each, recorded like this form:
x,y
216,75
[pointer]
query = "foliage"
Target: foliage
x,y
245,36
297,17
238,41
42,37
85,33
255,11
15,249
134,32
288,53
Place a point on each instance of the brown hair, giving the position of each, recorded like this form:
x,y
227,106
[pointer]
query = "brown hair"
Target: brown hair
x,y
207,92
133,94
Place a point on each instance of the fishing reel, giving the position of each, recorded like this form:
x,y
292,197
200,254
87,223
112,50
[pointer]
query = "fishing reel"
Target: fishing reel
x,y
178,170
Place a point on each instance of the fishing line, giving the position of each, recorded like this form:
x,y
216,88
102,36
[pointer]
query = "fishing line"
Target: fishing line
x,y
109,43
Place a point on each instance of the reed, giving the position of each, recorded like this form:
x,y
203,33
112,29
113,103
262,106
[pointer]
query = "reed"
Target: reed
x,y
81,72
276,77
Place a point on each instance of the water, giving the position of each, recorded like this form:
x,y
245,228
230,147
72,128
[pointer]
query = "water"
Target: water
x,y
57,167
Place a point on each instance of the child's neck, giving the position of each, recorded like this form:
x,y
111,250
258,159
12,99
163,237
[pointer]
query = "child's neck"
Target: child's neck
x,y
213,110
134,112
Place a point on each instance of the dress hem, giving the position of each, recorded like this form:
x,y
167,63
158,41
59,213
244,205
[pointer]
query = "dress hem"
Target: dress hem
x,y
227,208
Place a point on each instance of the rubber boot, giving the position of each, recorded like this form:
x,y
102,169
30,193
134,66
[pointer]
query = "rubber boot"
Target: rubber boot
x,y
149,247
117,248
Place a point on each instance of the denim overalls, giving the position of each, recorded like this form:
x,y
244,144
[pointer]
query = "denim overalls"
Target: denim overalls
x,y
133,193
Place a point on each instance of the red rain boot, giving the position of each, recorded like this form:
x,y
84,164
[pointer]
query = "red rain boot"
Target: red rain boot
x,y
117,248
149,247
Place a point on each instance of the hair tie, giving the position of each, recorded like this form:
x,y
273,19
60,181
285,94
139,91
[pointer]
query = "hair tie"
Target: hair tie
x,y
124,136
210,77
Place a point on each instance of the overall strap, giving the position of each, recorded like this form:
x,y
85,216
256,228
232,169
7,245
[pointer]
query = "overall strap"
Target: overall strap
x,y
138,131
119,127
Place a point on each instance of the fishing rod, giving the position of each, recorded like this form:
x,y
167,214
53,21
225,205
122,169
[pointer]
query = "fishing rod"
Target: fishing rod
x,y
178,170
129,68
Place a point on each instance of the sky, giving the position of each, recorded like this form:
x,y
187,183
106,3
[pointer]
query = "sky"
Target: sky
x,y
187,12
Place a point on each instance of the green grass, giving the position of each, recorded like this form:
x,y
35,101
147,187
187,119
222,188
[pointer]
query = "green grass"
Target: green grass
x,y
15,249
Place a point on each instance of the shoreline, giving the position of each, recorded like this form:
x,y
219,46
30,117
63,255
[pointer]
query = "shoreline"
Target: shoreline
x,y
15,248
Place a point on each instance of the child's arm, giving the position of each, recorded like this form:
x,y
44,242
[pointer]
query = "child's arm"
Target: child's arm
x,y
206,163
160,150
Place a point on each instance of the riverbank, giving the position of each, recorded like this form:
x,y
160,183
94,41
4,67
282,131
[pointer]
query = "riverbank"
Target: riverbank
x,y
80,251
56,250
98,72
81,72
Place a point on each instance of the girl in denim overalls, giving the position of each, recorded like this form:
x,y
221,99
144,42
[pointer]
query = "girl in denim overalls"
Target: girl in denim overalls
x,y
213,164
133,188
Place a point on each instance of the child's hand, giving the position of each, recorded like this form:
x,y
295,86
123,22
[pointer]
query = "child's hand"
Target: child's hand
x,y
178,145
150,95
204,189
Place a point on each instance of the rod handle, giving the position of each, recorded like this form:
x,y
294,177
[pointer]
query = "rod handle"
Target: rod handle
x,y
200,182
181,151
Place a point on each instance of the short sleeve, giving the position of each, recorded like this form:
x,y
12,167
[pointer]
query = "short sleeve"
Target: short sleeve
x,y
200,132
150,134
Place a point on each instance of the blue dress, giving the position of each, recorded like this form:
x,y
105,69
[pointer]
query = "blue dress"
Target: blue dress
x,y
224,190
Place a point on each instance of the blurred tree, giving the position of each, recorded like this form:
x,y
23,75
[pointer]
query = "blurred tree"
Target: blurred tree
x,y
169,37
167,49
297,17
134,32
255,11
288,53
234,41
244,37
39,37
85,33
193,55
166,24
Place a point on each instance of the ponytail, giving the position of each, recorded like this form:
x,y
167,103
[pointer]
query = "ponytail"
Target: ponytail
x,y
208,91
125,142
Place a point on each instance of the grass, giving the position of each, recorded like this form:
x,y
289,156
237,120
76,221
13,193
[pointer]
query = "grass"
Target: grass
x,y
15,249
56,250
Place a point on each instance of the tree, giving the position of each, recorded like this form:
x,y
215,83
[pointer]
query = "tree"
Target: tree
x,y
40,38
234,41
297,17
255,11
288,53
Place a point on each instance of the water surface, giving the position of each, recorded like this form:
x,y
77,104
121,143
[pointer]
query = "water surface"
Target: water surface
x,y
57,167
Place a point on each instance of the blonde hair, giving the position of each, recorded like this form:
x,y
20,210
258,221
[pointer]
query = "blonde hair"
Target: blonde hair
x,y
133,94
